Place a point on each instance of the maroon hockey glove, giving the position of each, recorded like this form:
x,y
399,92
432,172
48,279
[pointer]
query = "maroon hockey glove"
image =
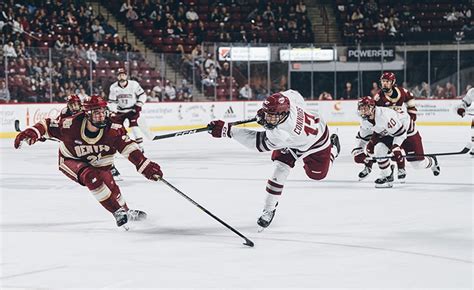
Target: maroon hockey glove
x,y
461,112
397,156
412,116
150,170
137,108
29,135
359,155
219,129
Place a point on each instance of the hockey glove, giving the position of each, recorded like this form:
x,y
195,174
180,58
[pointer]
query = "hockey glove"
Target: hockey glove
x,y
29,135
137,109
359,155
412,116
461,112
150,170
398,156
260,117
219,129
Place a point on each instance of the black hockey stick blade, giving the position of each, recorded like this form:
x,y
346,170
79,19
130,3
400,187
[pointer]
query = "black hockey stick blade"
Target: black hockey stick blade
x,y
197,130
17,125
248,242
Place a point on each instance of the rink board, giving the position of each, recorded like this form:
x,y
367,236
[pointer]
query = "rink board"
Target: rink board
x,y
181,116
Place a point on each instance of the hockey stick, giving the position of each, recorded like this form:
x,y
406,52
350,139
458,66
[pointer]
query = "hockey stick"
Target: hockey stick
x,y
197,130
247,241
18,129
463,151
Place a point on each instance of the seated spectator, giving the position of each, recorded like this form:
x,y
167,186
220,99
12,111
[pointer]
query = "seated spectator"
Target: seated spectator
x,y
439,92
191,15
348,93
9,50
245,93
4,92
170,91
225,71
450,91
157,92
185,92
375,89
325,96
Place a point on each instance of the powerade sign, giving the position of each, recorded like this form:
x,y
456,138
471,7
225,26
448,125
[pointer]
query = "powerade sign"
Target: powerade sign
x,y
370,54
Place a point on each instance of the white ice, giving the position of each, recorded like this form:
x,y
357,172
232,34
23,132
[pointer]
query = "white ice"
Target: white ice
x,y
338,232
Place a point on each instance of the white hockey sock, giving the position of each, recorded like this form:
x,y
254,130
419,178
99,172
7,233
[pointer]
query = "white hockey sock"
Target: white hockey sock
x,y
423,164
138,135
275,184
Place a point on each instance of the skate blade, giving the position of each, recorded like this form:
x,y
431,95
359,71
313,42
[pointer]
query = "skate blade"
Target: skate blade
x,y
402,181
260,229
125,227
390,185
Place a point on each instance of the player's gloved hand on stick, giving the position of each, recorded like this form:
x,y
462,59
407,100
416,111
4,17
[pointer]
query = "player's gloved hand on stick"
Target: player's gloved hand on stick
x,y
359,155
397,153
369,148
29,135
219,129
260,117
461,112
150,170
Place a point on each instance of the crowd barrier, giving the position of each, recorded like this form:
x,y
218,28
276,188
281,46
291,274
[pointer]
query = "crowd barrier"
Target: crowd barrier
x,y
181,116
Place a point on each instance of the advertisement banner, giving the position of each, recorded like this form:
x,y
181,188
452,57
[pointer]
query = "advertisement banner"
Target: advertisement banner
x,y
370,54
307,54
180,116
227,53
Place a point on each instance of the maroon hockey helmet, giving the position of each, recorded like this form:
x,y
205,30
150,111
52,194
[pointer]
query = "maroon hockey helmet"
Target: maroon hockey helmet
x,y
365,107
96,110
74,103
390,76
276,108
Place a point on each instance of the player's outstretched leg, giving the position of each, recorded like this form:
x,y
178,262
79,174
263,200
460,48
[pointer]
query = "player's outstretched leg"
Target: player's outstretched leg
x,y
435,166
267,217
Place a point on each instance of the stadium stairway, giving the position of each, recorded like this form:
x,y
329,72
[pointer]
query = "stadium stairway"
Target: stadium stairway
x,y
322,15
150,56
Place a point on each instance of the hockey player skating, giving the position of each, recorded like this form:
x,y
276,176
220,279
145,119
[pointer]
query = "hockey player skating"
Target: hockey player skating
x,y
89,141
385,130
292,133
461,110
396,97
126,99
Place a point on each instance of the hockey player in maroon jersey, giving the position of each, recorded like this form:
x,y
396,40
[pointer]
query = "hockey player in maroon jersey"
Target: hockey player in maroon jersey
x,y
74,106
89,141
292,133
392,95
383,131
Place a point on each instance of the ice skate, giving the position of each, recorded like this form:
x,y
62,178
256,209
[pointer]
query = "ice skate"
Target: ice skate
x,y
401,175
364,173
136,215
266,218
435,167
385,181
115,173
335,143
121,218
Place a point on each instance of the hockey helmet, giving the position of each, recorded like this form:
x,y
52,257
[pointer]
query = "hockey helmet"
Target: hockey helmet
x,y
74,103
365,107
389,76
96,111
276,108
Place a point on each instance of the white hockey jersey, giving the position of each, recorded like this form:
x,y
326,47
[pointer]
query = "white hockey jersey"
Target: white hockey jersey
x,y
468,99
123,99
388,122
302,132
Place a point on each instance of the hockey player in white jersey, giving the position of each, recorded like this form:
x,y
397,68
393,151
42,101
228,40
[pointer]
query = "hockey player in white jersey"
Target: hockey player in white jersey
x,y
461,110
383,131
126,99
292,133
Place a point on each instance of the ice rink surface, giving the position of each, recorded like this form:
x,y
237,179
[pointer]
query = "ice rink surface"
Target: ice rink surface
x,y
338,232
